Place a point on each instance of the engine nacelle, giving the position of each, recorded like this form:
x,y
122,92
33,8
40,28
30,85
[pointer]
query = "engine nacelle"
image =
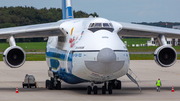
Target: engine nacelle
x,y
14,56
165,56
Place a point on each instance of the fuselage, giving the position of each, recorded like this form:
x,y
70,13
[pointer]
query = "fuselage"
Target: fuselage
x,y
90,51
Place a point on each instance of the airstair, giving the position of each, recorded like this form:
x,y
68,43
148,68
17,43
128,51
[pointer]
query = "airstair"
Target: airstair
x,y
133,78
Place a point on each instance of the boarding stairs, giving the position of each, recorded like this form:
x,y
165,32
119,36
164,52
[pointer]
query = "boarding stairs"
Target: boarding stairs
x,y
133,78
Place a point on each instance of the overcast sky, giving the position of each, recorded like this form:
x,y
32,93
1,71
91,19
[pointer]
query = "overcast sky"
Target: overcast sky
x,y
117,10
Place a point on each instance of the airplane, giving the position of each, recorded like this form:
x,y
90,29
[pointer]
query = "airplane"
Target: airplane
x,y
87,49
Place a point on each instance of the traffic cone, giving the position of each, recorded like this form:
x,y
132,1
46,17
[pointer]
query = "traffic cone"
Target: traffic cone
x,y
172,89
17,90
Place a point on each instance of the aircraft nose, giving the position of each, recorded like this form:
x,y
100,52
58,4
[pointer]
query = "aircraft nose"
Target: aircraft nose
x,y
106,62
106,55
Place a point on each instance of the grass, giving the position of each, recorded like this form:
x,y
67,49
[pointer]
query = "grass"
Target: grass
x,y
131,41
148,49
142,49
41,46
31,57
42,57
141,57
27,46
35,57
145,57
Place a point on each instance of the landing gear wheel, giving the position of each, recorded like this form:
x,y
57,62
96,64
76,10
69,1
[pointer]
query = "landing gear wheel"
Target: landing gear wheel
x,y
118,86
58,85
110,88
103,90
95,89
89,89
113,83
47,84
51,85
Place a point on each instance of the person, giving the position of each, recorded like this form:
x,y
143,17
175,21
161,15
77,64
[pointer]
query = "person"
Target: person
x,y
158,84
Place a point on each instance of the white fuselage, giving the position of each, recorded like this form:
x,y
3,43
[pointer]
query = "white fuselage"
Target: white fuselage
x,y
90,53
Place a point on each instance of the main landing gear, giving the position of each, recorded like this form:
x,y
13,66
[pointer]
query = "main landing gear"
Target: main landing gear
x,y
108,86
54,83
92,88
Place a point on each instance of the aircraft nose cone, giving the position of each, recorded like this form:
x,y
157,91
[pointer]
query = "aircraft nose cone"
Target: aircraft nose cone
x,y
106,55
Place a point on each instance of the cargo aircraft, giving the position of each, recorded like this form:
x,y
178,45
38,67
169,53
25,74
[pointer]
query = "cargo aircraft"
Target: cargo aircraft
x,y
87,49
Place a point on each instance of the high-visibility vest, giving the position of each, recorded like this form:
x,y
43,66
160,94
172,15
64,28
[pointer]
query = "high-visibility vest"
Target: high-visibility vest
x,y
158,83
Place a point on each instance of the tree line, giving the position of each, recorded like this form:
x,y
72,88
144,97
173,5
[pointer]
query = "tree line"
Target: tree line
x,y
20,16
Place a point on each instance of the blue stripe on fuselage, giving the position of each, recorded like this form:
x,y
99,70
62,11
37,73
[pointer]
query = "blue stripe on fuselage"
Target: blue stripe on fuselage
x,y
68,77
54,64
56,55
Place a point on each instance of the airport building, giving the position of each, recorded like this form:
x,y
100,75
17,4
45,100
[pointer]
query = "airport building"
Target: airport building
x,y
176,27
170,42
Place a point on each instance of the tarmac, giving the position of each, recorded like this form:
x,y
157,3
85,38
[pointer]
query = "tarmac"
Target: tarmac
x,y
147,71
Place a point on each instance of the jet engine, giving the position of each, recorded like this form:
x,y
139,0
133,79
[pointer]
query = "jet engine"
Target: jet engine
x,y
165,56
14,56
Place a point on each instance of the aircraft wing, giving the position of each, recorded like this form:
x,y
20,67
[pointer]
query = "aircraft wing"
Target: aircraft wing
x,y
137,30
38,30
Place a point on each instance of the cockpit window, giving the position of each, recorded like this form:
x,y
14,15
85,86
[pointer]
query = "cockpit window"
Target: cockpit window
x,y
91,25
98,25
106,25
111,24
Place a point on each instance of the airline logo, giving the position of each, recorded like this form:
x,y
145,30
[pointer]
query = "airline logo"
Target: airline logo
x,y
74,40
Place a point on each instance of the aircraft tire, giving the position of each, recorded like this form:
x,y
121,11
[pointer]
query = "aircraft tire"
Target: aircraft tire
x,y
51,85
110,88
89,89
47,84
95,89
58,86
113,84
103,90
118,86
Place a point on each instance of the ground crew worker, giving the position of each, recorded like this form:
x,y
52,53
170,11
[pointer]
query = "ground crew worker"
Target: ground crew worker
x,y
158,84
